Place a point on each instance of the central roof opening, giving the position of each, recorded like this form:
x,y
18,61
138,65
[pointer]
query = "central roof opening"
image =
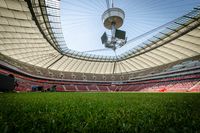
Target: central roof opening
x,y
82,24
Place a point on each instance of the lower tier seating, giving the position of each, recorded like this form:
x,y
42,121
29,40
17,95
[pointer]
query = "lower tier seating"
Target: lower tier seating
x,y
188,83
167,86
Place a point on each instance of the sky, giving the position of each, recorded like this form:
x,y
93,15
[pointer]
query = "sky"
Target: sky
x,y
82,25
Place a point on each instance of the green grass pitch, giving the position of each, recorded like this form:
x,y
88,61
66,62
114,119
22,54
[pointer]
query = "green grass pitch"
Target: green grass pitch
x,y
100,112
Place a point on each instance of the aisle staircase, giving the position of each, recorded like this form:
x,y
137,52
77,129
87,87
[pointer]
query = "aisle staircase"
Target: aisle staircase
x,y
195,88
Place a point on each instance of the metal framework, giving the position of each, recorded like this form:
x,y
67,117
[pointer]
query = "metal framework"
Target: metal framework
x,y
144,40
30,32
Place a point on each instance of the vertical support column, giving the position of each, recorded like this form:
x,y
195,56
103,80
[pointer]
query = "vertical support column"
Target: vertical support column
x,y
113,30
113,41
112,3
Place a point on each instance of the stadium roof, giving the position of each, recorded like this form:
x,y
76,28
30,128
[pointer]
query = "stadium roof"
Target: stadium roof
x,y
30,32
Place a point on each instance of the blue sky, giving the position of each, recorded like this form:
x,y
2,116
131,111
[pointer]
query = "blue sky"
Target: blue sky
x,y
82,25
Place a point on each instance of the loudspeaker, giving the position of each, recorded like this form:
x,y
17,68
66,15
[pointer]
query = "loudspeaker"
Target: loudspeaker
x,y
120,34
7,83
104,38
